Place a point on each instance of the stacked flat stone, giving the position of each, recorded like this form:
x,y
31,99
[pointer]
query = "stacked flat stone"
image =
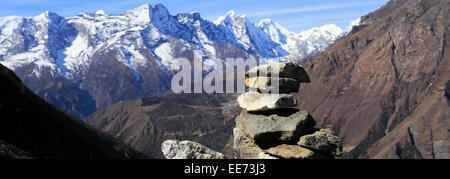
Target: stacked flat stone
x,y
270,128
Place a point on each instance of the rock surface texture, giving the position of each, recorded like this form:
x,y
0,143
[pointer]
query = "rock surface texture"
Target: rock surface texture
x,y
385,87
285,85
269,128
254,101
173,149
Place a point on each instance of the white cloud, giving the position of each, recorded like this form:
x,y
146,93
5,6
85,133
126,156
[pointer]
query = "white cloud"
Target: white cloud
x,y
308,9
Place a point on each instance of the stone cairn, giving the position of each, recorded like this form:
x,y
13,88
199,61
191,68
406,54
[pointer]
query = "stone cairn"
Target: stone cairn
x,y
270,127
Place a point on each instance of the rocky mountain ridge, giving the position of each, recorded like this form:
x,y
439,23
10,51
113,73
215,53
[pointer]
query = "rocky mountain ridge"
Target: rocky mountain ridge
x,y
86,62
382,87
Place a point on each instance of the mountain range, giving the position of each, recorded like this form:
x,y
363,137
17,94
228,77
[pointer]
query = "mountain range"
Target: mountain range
x,y
87,62
382,84
384,89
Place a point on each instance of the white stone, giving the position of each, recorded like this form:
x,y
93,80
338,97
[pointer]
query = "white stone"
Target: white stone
x,y
253,101
173,149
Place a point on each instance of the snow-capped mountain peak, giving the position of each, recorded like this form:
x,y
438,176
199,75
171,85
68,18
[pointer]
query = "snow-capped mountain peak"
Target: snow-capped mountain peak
x,y
160,13
265,21
331,28
231,13
353,23
68,46
139,15
270,22
100,12
323,33
303,44
231,16
249,36
136,50
49,17
276,32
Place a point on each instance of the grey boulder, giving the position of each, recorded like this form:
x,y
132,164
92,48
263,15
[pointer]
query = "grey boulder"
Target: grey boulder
x,y
323,140
244,146
173,149
272,127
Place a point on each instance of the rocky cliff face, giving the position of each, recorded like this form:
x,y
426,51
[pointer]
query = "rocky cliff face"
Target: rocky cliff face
x,y
384,87
32,128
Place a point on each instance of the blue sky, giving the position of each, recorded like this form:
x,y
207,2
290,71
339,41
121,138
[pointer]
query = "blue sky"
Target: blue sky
x,y
295,15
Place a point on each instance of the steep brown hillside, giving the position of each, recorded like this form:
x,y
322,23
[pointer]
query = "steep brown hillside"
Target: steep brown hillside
x,y
146,122
384,88
33,128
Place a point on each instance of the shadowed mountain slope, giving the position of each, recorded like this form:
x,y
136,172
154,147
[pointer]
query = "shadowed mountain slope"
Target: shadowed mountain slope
x,y
32,128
